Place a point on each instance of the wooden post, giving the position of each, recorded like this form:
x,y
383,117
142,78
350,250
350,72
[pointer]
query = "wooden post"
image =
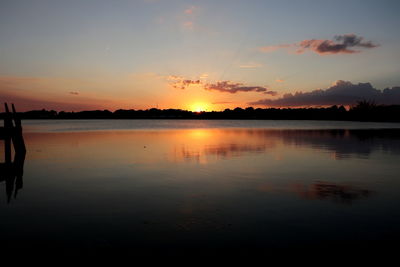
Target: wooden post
x,y
17,120
7,135
12,133
12,171
17,137
19,160
7,150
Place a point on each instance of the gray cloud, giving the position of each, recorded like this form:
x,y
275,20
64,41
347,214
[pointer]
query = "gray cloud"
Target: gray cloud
x,y
74,93
180,83
272,93
341,93
233,88
341,44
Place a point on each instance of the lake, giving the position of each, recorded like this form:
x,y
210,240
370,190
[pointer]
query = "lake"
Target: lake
x,y
169,186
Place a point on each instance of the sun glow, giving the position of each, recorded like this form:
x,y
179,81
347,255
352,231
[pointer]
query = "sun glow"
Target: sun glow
x,y
199,107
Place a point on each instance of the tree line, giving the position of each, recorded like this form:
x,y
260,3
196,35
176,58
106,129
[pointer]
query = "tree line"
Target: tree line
x,y
362,111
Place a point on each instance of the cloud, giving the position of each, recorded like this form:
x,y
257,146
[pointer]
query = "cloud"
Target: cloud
x,y
74,93
233,88
341,93
188,23
183,84
272,93
280,80
190,10
341,44
179,82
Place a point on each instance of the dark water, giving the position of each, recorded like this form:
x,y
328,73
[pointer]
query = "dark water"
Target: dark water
x,y
204,188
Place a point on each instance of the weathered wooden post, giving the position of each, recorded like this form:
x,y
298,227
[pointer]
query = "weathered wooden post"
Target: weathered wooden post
x,y
12,171
8,125
18,139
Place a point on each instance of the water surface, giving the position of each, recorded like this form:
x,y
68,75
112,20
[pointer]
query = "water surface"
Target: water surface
x,y
105,125
203,185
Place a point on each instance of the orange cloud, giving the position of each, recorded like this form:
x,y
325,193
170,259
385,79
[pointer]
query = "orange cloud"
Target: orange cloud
x,y
190,10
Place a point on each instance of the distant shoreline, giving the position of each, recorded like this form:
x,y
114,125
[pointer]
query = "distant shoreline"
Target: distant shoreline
x,y
364,111
205,119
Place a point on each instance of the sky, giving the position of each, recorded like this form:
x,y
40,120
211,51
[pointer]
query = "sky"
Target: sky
x,y
198,55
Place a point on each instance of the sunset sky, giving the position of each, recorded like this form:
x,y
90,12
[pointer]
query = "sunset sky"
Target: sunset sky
x,y
197,55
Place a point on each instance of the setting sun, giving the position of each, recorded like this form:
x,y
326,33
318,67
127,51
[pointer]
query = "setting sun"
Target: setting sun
x,y
199,107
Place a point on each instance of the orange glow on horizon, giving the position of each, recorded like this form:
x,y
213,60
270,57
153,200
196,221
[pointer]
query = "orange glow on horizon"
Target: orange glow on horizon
x,y
199,107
